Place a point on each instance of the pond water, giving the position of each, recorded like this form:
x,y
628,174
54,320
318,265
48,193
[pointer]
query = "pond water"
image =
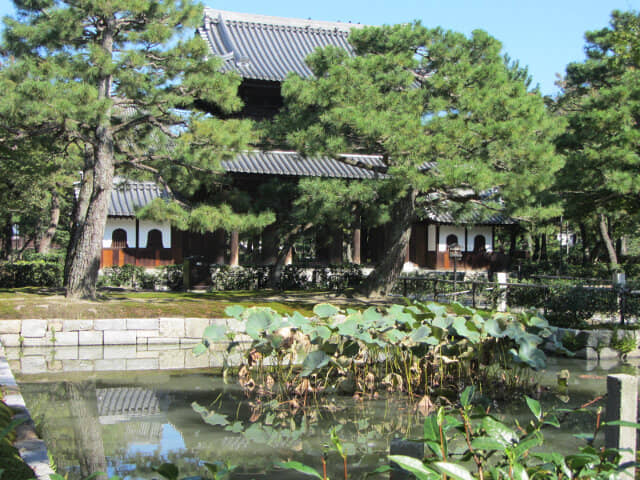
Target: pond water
x,y
128,423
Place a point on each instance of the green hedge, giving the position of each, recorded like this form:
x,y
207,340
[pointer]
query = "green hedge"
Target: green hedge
x,y
31,274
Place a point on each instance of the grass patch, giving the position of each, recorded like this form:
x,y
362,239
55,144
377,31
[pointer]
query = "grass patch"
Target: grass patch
x,y
47,303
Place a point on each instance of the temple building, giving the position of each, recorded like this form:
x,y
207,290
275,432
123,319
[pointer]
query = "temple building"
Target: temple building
x,y
264,50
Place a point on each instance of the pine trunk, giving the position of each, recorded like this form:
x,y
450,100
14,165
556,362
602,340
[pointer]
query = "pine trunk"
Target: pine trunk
x,y
84,264
79,216
606,238
54,218
381,280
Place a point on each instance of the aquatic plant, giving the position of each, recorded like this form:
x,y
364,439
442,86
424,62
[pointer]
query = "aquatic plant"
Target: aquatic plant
x,y
420,349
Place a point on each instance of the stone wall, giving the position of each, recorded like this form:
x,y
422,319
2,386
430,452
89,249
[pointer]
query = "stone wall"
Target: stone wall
x,y
36,360
117,331
597,344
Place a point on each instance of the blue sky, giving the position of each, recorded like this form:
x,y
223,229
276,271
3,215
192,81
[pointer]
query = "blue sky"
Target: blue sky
x,y
545,35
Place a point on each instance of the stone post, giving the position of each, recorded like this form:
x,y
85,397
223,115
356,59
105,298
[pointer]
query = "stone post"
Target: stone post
x,y
356,246
503,279
408,448
622,404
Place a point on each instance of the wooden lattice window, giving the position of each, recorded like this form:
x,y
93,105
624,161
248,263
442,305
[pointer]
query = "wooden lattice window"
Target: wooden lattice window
x,y
119,238
154,239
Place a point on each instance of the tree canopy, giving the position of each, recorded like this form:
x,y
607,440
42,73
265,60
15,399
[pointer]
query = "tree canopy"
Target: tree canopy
x,y
119,79
451,119
601,100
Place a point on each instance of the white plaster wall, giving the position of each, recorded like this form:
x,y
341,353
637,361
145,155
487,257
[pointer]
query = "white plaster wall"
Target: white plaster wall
x,y
445,231
431,238
147,225
480,230
127,224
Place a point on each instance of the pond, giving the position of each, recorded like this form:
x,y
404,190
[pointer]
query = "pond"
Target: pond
x,y
128,423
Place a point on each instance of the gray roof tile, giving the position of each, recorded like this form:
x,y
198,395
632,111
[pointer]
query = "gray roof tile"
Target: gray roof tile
x,y
294,164
129,195
269,48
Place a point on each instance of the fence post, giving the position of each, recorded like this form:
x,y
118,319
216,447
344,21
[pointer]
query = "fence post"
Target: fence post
x,y
435,290
619,283
473,294
622,404
404,287
503,279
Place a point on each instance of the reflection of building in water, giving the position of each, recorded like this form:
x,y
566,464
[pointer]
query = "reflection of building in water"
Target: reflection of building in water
x,y
124,404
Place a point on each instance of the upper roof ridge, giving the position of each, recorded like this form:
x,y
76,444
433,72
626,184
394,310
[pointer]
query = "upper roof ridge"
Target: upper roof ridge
x,y
214,14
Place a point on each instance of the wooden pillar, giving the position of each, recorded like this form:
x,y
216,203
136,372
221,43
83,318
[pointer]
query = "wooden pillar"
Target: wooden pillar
x,y
235,249
135,260
356,246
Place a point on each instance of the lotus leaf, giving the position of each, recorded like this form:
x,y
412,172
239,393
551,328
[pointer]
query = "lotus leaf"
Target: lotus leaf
x,y
215,333
325,310
234,311
313,362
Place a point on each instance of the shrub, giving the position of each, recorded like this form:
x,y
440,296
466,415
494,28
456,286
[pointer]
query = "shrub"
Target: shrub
x,y
30,274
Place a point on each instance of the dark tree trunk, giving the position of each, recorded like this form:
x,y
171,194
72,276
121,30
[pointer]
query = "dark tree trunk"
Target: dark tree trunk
x,y
86,428
381,280
513,236
287,243
7,243
606,238
44,245
543,247
584,236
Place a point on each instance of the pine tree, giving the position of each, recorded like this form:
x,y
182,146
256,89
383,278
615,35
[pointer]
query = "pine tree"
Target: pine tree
x,y
601,100
119,79
450,117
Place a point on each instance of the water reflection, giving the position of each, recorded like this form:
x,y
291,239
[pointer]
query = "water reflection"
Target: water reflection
x,y
128,423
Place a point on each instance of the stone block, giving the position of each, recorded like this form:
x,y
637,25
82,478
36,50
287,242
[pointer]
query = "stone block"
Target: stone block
x,y
110,365
141,343
194,327
190,341
155,343
147,333
90,337
66,338
119,337
171,360
78,365
91,352
37,342
216,359
55,325
64,353
33,328
54,365
120,352
142,324
171,327
15,365
76,325
608,353
33,365
192,361
13,353
10,339
148,354
142,364
110,324
10,326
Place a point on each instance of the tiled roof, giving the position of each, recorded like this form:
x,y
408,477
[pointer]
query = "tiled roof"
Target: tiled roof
x,y
269,48
477,218
294,164
129,195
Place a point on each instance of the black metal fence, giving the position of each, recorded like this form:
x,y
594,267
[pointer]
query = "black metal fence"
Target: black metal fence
x,y
563,301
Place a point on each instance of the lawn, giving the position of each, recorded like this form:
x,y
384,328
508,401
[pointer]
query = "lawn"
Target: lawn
x,y
50,303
